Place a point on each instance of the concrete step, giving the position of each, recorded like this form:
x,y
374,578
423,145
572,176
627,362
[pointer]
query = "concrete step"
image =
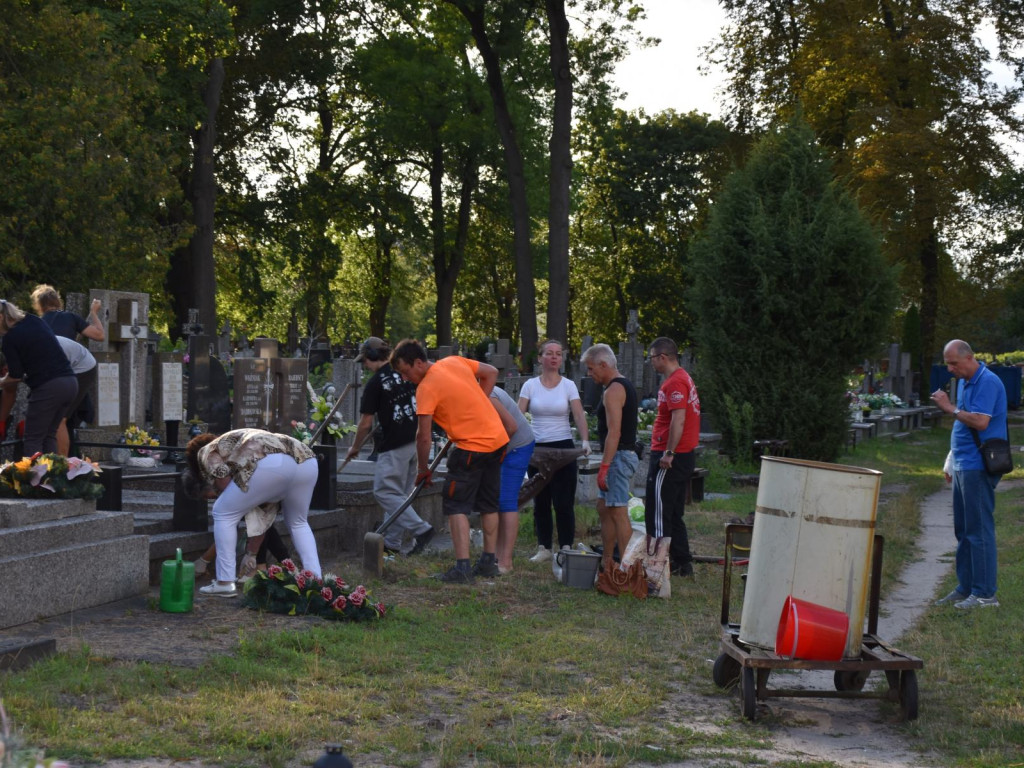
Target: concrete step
x,y
15,513
71,578
58,534
147,501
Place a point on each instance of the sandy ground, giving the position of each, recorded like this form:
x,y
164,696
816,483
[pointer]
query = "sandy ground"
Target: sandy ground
x,y
845,732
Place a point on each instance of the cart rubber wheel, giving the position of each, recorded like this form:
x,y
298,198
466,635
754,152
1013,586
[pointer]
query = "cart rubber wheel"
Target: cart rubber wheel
x,y
908,694
748,693
726,672
846,680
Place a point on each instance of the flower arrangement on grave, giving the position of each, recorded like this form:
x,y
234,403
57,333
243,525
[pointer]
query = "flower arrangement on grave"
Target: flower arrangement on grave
x,y
320,407
286,589
880,400
50,476
135,438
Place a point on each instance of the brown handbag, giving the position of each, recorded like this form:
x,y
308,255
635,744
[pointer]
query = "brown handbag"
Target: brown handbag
x,y
632,581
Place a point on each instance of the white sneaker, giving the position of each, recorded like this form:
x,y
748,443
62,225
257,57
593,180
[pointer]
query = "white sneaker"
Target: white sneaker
x,y
219,590
542,556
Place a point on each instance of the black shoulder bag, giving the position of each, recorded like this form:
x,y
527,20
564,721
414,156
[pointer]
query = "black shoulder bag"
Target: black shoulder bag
x,y
995,453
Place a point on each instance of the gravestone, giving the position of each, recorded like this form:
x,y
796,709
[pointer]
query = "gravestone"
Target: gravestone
x,y
108,389
168,393
631,354
498,356
318,351
900,378
264,347
124,354
290,376
270,391
253,388
347,372
208,398
224,342
512,382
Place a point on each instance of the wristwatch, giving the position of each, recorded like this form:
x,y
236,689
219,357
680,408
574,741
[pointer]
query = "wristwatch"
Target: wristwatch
x,y
956,412
670,453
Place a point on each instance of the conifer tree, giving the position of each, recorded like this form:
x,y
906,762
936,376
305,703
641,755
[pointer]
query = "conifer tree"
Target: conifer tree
x,y
790,291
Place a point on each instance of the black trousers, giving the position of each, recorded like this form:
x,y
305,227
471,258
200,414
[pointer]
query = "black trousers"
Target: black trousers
x,y
560,492
666,503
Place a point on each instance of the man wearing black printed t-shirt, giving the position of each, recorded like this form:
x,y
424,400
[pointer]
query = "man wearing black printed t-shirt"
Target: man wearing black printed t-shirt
x,y
393,401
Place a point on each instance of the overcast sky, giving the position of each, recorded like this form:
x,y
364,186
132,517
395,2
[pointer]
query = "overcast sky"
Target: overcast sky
x,y
666,77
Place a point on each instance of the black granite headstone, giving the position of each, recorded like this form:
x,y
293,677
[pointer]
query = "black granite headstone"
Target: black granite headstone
x,y
290,387
254,398
207,386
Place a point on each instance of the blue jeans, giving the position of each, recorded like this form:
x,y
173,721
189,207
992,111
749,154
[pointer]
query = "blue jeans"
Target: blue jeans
x,y
974,503
620,478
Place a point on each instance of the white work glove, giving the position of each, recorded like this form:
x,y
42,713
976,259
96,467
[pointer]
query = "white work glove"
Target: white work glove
x,y
586,447
200,566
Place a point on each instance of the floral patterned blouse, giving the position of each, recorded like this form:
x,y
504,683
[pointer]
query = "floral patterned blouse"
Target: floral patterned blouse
x,y
236,453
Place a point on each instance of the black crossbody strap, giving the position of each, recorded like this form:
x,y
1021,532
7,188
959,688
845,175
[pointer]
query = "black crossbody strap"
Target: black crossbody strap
x,y
977,440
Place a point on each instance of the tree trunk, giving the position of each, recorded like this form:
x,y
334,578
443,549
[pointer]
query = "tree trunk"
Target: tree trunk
x,y
448,262
515,169
191,280
380,296
561,175
929,258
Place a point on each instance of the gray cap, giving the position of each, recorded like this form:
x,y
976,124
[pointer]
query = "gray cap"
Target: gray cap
x,y
374,348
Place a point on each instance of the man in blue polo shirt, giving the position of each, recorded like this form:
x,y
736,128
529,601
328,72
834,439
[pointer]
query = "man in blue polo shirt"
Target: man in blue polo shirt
x,y
980,405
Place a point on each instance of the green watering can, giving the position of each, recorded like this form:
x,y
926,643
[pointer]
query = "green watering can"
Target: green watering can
x,y
177,583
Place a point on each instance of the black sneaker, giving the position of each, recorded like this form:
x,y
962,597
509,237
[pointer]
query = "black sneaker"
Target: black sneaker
x,y
421,542
487,570
454,576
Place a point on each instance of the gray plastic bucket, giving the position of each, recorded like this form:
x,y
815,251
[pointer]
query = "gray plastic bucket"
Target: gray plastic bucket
x,y
579,569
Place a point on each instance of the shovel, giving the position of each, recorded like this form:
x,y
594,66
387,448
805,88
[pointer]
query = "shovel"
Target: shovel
x,y
373,542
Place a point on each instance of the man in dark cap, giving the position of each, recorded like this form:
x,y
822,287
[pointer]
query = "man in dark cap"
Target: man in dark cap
x,y
392,400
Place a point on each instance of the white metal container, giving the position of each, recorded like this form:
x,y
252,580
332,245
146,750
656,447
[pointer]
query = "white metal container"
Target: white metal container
x,y
813,533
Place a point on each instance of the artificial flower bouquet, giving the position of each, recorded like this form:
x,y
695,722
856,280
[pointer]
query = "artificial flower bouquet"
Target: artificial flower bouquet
x,y
138,440
320,406
285,589
880,400
49,476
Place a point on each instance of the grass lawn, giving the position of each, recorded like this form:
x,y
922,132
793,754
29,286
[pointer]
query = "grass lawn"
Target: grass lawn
x,y
526,672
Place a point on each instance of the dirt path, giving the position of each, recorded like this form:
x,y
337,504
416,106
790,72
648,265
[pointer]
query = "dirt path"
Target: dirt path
x,y
851,732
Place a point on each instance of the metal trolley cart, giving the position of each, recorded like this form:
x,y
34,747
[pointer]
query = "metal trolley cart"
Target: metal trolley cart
x,y
751,666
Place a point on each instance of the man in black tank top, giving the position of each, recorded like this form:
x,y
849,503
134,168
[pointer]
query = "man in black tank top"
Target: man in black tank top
x,y
616,429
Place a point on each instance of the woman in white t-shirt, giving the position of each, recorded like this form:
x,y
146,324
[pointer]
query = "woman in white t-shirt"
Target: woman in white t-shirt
x,y
550,399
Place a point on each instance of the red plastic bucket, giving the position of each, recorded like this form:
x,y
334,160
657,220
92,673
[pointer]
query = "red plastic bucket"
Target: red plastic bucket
x,y
810,631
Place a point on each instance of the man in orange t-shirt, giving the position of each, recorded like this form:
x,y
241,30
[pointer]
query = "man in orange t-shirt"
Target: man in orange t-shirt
x,y
455,392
